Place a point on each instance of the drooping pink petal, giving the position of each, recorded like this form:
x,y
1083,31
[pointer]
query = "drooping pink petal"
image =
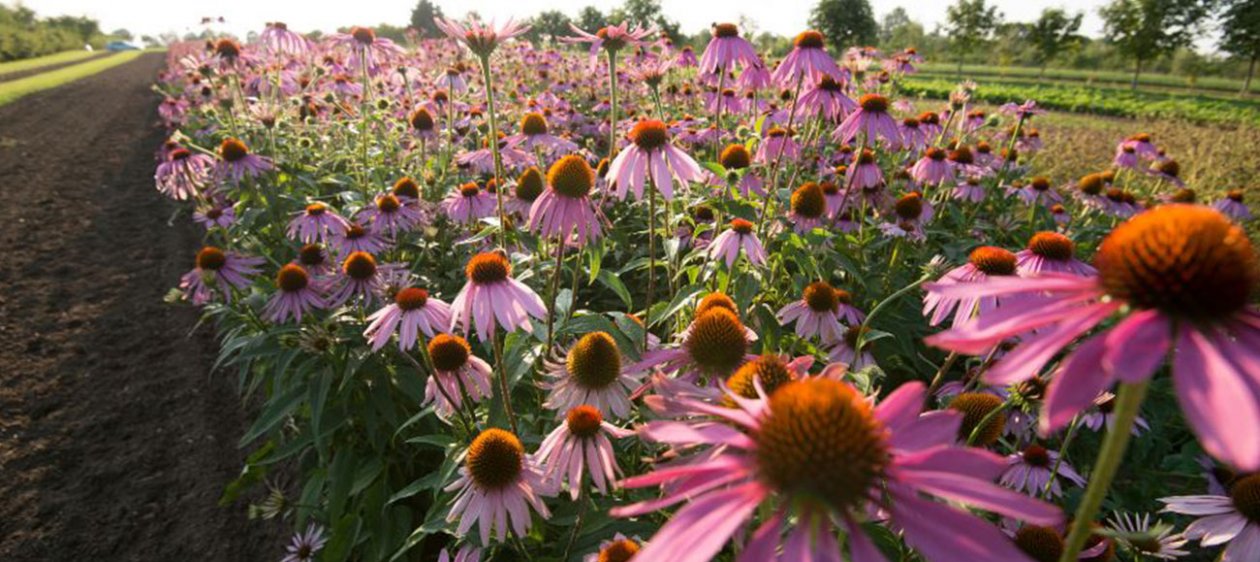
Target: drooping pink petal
x,y
1217,401
697,532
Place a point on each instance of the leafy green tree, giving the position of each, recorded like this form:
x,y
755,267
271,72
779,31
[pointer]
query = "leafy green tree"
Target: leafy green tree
x,y
1053,32
845,23
422,19
591,19
1240,34
898,31
970,24
1143,30
549,24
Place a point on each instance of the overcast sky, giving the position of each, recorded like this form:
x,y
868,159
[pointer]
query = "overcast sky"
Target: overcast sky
x,y
784,17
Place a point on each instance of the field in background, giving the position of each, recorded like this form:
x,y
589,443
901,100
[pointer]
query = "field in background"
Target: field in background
x,y
1147,81
15,89
46,60
1081,97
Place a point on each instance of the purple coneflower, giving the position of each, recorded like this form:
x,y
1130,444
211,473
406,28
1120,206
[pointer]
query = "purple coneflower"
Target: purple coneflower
x,y
468,204
910,212
846,350
466,553
1232,206
223,270
619,549
1032,469
727,49
984,262
183,174
390,214
822,311
827,98
968,190
777,143
687,58
713,346
808,60
1182,276
784,449
355,238
316,223
1050,252
1037,191
578,446
497,485
1233,519
611,38
1103,415
736,160
305,545
932,169
565,209
457,374
808,207
650,155
726,246
296,294
492,298
865,173
365,47
360,276
221,214
590,373
278,39
413,312
1146,540
535,133
235,161
872,120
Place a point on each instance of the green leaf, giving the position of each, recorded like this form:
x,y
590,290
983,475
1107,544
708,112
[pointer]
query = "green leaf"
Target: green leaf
x,y
608,279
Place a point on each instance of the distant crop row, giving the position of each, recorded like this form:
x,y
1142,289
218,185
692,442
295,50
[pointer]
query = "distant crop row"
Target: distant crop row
x,y
1121,103
1088,75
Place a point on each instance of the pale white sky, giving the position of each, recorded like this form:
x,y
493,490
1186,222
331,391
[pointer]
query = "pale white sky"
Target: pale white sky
x,y
785,17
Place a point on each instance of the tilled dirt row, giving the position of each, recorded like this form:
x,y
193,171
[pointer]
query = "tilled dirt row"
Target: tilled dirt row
x,y
115,439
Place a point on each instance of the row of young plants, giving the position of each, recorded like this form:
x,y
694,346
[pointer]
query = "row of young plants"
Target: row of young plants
x,y
502,302
1103,101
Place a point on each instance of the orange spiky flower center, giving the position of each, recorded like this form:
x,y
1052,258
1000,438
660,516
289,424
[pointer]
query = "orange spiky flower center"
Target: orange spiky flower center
x,y
992,260
809,40
594,361
649,134
571,176
411,298
583,421
820,441
1052,245
1185,260
292,278
488,267
495,459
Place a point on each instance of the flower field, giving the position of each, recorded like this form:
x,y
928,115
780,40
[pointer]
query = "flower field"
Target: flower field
x,y
608,299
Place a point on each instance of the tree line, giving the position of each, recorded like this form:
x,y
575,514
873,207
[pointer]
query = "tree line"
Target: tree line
x,y
1139,35
24,35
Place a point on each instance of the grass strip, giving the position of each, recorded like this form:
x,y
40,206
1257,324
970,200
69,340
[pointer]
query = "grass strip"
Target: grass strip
x,y
46,60
10,91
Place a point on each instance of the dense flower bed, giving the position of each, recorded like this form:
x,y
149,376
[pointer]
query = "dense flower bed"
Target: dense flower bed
x,y
632,302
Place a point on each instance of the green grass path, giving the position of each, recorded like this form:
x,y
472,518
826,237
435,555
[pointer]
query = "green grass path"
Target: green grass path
x,y
46,60
15,89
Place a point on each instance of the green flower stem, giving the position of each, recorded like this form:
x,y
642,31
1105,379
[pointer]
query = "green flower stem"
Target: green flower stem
x,y
612,108
504,391
1063,447
861,337
494,150
1128,401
